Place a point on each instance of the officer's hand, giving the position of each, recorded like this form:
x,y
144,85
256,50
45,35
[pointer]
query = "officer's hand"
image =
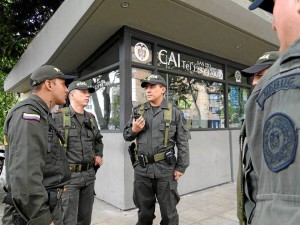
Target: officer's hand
x,y
52,223
177,175
98,161
138,124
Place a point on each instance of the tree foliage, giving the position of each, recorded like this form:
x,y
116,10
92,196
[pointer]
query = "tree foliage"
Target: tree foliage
x,y
20,21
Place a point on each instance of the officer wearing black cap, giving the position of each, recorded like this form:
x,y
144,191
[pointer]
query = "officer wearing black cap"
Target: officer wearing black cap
x,y
157,126
261,66
272,118
84,149
36,166
246,191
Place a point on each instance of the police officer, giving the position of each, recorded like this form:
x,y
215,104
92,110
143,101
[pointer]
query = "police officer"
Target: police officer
x,y
36,165
84,150
246,192
157,170
261,66
272,118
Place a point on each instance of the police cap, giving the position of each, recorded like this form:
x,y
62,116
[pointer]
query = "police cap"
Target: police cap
x,y
153,79
264,62
80,85
48,72
266,5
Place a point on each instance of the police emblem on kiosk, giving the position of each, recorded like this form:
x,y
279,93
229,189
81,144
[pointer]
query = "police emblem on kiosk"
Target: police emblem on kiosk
x,y
279,142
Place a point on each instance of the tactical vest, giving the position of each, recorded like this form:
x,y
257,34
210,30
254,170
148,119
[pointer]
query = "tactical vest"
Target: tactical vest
x,y
167,118
67,125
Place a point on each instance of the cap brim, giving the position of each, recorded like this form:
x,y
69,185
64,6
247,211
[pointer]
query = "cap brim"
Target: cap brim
x,y
249,72
68,78
144,83
266,5
255,4
90,89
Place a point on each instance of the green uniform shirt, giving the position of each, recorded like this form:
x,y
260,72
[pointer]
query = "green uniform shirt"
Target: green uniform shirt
x,y
83,143
150,140
35,161
273,122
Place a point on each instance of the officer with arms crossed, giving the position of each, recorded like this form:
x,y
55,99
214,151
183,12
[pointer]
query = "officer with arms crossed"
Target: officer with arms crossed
x,y
273,122
84,149
246,195
157,126
36,165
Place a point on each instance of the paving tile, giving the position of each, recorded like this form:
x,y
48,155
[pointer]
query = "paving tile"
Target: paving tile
x,y
213,206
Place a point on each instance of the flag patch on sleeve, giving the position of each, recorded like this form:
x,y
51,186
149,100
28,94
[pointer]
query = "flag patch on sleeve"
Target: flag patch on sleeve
x,y
31,116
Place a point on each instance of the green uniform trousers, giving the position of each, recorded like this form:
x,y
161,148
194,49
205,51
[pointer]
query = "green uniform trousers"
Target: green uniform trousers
x,y
78,200
147,190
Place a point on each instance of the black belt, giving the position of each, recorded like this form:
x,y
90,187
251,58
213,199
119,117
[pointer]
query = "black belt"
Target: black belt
x,y
154,158
80,167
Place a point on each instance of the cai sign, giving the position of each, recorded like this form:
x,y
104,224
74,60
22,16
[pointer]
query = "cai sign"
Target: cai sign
x,y
178,61
172,60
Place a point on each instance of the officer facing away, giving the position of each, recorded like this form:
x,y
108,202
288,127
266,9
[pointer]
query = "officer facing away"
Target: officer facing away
x,y
36,165
156,171
84,149
246,193
272,118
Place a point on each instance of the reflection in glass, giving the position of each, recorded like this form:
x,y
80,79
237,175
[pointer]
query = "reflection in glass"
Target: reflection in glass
x,y
237,98
105,102
138,93
202,102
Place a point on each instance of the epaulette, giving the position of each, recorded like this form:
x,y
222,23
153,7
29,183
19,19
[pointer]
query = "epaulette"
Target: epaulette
x,y
91,114
137,107
58,111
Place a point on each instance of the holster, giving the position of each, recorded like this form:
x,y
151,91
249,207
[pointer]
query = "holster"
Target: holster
x,y
170,157
132,153
52,199
142,161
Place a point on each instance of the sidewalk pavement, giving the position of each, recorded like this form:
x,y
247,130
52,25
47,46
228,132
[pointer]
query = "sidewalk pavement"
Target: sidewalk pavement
x,y
213,206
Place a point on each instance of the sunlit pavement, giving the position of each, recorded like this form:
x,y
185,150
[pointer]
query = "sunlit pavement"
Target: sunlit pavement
x,y
213,206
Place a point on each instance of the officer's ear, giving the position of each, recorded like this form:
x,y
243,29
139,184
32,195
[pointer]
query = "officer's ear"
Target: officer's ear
x,y
164,89
48,85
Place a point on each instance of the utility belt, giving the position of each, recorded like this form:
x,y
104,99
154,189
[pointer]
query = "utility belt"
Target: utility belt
x,y
80,167
18,217
168,155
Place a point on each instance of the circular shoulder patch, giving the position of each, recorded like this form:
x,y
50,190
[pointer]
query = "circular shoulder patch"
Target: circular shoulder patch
x,y
279,142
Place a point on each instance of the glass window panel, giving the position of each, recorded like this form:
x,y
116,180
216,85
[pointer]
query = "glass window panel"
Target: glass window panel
x,y
141,52
237,98
202,102
138,93
105,102
235,75
170,59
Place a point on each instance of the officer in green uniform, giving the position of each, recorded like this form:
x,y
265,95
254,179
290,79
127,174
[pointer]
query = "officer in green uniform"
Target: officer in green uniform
x,y
36,165
84,150
246,194
157,169
272,118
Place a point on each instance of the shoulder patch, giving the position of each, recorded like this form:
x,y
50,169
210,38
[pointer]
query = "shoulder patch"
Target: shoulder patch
x,y
31,116
280,140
